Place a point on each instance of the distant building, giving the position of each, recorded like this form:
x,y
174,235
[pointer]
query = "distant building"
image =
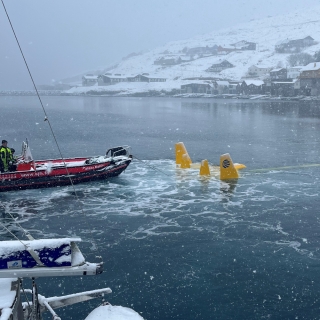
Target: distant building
x,y
197,86
168,61
248,87
186,59
145,77
287,46
233,85
278,74
218,67
151,78
285,88
294,72
202,50
310,79
136,78
107,79
225,50
258,71
244,45
89,80
221,87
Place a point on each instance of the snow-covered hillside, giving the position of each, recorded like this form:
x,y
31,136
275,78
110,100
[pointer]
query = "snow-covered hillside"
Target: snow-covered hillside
x,y
265,33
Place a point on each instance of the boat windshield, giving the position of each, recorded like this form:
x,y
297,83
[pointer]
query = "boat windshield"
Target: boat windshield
x,y
26,155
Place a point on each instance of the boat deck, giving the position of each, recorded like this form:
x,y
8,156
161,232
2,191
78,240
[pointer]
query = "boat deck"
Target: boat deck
x,y
7,297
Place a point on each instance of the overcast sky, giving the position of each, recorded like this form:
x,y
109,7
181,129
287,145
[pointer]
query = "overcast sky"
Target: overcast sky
x,y
62,38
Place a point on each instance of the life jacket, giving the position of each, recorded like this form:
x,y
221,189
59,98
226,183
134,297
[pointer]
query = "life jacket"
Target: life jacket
x,y
5,157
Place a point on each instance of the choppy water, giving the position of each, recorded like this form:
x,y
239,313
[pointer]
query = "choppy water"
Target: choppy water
x,y
177,246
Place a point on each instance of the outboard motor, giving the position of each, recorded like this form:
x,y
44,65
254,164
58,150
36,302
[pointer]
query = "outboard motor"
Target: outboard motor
x,y
117,151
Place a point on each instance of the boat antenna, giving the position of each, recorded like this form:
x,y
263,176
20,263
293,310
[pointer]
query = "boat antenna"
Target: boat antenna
x,y
43,108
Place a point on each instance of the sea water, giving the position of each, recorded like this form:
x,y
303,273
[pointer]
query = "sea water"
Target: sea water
x,y
175,245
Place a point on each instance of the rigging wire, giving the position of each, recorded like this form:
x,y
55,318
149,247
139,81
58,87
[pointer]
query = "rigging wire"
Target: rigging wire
x,y
43,108
27,233
55,139
8,230
29,249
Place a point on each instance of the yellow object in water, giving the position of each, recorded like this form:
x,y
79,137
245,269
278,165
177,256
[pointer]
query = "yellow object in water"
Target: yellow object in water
x,y
180,152
227,168
204,169
239,166
186,162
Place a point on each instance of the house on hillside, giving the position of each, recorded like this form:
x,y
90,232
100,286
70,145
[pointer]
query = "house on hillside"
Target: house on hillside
x,y
225,50
307,41
294,72
244,45
258,71
89,80
202,50
145,77
168,61
218,67
290,46
136,78
109,79
186,59
248,87
197,86
310,79
278,74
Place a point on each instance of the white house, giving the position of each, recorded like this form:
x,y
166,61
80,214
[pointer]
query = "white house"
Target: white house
x,y
197,86
109,79
294,72
258,71
89,80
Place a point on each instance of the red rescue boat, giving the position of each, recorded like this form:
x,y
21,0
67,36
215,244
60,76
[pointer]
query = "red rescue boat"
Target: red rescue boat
x,y
33,174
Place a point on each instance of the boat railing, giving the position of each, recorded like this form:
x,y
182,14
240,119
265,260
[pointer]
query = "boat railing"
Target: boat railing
x,y
41,258
43,303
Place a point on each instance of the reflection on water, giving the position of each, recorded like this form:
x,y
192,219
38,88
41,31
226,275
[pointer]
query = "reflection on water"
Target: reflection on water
x,y
227,188
304,109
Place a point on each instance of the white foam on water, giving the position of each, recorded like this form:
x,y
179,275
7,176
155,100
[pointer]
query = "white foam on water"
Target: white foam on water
x,y
162,200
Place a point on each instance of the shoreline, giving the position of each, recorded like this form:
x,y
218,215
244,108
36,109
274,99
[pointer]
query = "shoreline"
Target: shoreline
x,y
162,95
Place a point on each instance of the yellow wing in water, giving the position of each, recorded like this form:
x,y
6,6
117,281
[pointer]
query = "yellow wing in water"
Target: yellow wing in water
x,y
226,170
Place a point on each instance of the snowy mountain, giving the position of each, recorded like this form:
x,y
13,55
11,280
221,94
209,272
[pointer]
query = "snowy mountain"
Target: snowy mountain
x,y
266,33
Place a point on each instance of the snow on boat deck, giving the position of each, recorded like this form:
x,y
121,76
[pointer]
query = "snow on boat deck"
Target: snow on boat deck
x,y
6,297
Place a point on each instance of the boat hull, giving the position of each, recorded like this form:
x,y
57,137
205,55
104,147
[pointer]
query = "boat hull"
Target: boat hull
x,y
56,174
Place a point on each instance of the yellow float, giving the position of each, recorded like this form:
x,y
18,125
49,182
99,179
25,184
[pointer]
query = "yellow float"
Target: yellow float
x,y
226,171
